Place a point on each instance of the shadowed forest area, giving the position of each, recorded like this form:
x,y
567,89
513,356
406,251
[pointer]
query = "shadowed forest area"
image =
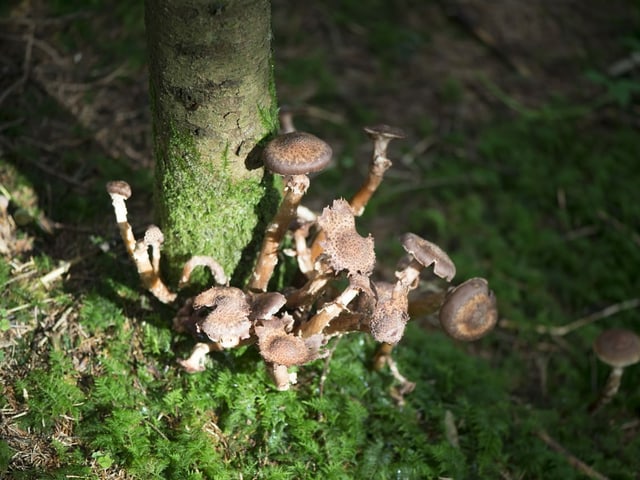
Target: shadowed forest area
x,y
521,161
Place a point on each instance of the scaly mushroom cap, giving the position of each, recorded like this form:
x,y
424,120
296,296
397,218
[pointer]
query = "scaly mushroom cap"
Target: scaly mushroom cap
x,y
427,253
119,187
343,247
618,347
469,311
153,236
280,347
389,318
226,315
296,153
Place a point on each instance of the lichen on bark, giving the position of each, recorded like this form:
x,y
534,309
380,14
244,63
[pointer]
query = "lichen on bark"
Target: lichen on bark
x,y
213,104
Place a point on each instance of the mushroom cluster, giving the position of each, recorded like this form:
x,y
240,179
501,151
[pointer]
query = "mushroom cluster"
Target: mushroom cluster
x,y
337,293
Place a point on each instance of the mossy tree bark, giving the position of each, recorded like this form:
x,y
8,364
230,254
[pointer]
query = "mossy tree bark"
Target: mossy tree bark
x,y
213,102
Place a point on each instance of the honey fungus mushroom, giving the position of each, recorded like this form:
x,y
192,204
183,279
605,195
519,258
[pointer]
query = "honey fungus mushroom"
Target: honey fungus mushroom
x,y
282,349
619,348
293,155
224,315
422,254
469,310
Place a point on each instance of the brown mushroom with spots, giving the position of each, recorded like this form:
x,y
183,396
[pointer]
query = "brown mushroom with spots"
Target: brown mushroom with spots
x,y
469,310
293,155
345,250
224,315
619,348
282,349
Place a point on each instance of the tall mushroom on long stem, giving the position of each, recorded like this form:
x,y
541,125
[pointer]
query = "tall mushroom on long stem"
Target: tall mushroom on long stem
x,y
381,135
148,268
293,155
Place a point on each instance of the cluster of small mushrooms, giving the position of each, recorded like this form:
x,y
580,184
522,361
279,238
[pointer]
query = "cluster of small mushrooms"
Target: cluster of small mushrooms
x,y
338,294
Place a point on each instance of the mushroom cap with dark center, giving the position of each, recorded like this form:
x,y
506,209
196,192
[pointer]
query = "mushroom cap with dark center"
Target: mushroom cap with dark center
x,y
618,347
427,253
383,130
280,347
227,315
389,317
296,153
469,311
119,187
344,248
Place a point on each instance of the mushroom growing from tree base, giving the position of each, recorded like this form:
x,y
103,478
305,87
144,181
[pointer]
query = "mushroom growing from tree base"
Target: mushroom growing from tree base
x,y
336,295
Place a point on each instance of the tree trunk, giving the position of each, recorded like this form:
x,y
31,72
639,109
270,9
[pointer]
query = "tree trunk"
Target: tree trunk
x,y
213,103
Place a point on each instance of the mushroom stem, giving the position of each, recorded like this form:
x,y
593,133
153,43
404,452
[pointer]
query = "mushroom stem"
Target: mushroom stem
x,y
202,261
281,376
195,362
377,169
609,391
150,277
296,187
329,311
285,115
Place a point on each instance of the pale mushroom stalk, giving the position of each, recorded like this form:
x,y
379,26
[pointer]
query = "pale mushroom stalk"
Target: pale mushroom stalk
x,y
120,191
149,275
202,261
148,268
329,311
285,116
296,187
281,376
195,362
293,155
609,390
381,135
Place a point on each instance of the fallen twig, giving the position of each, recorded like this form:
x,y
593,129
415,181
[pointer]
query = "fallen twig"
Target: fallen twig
x,y
604,313
572,459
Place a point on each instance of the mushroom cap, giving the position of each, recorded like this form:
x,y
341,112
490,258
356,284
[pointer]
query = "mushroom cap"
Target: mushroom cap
x,y
344,248
119,187
427,253
618,347
226,315
469,311
265,305
383,130
296,153
153,236
389,318
280,347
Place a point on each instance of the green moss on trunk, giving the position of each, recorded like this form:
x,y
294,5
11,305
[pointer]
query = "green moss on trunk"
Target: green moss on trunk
x,y
213,104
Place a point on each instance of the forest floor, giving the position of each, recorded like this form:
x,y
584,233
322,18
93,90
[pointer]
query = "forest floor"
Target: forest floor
x,y
522,122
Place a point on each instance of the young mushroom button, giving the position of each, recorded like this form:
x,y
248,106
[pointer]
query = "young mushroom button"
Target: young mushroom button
x,y
293,155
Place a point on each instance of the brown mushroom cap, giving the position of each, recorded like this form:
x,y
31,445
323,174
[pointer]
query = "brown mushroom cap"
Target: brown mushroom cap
x,y
280,347
265,305
427,253
227,315
382,130
618,347
469,310
296,153
153,236
344,248
119,187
